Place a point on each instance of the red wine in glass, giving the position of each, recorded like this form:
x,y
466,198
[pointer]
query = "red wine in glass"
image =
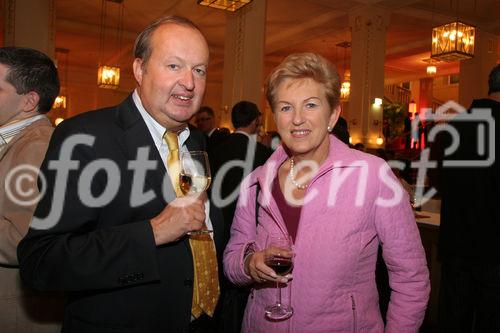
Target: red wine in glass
x,y
282,266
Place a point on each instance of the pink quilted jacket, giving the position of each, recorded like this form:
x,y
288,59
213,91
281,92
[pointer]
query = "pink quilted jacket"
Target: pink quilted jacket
x,y
350,213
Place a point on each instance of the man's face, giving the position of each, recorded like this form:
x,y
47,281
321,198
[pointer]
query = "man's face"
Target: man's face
x,y
11,103
205,122
172,83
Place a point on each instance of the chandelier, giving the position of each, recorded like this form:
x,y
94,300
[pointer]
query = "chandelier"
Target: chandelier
x,y
345,88
108,76
59,102
62,68
431,68
229,5
453,41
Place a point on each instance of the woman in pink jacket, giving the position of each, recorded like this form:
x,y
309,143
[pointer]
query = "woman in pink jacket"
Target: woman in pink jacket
x,y
338,205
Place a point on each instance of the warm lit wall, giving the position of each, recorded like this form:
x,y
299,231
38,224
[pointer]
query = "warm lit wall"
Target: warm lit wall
x,y
84,95
443,91
213,98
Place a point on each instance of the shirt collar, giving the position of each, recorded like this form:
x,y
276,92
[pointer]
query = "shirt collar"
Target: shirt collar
x,y
8,131
244,133
155,128
249,136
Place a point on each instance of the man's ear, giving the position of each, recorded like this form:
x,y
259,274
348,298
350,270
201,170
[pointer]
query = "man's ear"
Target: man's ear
x,y
31,101
256,124
138,70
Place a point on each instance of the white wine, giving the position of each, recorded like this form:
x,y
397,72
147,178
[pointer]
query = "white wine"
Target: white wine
x,y
193,184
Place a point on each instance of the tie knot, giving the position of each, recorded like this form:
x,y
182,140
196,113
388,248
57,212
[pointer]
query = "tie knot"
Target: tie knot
x,y
171,139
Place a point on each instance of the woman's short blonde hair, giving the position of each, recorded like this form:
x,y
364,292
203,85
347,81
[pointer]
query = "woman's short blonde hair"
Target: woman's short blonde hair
x,y
305,65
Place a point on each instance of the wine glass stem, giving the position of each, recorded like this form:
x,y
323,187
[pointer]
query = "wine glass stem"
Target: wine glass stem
x,y
278,294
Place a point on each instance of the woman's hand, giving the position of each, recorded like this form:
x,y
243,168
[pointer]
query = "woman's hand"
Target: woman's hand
x,y
256,267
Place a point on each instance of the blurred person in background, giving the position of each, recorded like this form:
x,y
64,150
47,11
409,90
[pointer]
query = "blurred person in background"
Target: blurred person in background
x,y
470,224
242,148
28,87
205,121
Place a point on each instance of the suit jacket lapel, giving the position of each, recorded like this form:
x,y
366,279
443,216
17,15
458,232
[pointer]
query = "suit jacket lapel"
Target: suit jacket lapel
x,y
136,135
192,144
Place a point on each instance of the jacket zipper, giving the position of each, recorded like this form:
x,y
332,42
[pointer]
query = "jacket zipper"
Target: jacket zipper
x,y
302,211
354,326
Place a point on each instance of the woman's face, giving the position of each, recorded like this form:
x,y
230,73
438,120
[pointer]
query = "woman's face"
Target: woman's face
x,y
302,115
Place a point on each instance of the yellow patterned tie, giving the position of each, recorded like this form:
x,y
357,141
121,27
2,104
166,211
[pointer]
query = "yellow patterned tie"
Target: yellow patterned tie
x,y
206,278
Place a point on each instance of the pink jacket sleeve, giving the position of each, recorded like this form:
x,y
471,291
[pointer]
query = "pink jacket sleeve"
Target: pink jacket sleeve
x,y
405,259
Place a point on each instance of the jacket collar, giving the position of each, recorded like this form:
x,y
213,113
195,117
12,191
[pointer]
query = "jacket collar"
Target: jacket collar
x,y
127,115
41,121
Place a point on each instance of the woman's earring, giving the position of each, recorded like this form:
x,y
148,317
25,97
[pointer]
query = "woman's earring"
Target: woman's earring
x,y
329,128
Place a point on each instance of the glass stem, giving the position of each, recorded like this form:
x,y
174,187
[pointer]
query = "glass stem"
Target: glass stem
x,y
279,293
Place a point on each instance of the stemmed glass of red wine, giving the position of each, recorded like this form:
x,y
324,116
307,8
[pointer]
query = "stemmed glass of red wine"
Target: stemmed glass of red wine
x,y
279,257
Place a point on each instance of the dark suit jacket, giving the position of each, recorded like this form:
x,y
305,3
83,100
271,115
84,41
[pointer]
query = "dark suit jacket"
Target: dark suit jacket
x,y
216,138
234,148
470,219
119,280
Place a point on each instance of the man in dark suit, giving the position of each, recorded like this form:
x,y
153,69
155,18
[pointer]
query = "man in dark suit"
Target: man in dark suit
x,y
205,121
111,228
231,162
243,151
470,219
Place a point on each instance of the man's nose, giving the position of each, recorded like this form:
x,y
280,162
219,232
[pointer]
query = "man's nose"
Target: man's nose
x,y
187,80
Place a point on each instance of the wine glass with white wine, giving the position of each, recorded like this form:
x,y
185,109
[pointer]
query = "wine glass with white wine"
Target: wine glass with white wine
x,y
194,176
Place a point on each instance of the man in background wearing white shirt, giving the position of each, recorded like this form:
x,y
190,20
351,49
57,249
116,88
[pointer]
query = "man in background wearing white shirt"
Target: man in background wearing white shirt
x,y
28,86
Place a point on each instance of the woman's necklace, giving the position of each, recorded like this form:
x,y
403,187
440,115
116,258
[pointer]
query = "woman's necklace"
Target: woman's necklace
x,y
292,177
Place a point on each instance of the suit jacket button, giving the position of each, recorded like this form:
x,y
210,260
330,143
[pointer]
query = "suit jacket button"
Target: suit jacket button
x,y
188,283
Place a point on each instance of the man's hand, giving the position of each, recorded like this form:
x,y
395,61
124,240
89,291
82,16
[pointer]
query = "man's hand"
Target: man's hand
x,y
182,215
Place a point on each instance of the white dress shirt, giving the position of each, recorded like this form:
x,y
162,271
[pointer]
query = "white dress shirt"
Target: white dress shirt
x,y
157,130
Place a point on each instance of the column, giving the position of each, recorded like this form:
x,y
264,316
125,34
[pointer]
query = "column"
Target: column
x,y
368,32
425,99
474,72
425,93
30,23
244,58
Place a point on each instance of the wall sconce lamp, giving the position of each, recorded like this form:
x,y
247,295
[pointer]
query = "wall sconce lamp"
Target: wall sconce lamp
x,y
377,101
